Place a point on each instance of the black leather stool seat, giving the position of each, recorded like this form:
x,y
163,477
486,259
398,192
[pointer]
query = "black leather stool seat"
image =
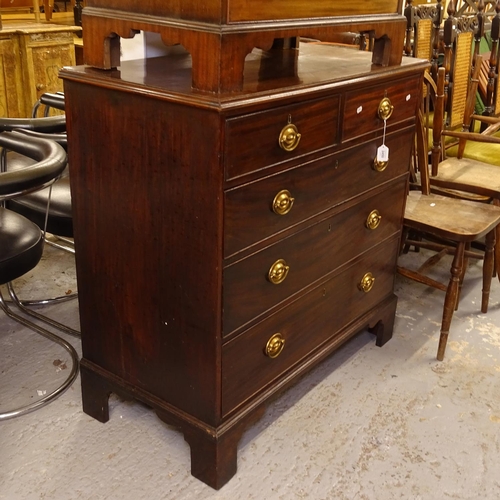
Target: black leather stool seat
x,y
21,242
33,205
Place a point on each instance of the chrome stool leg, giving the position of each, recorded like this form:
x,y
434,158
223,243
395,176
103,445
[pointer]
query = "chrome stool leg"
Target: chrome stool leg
x,y
21,305
67,244
54,338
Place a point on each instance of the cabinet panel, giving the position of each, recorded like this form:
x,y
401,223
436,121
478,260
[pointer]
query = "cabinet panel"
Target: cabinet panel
x,y
45,52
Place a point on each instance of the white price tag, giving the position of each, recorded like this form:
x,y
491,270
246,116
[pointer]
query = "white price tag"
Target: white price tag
x,y
383,153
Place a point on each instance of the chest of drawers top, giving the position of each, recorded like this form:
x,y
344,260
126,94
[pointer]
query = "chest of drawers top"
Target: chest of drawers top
x,y
318,70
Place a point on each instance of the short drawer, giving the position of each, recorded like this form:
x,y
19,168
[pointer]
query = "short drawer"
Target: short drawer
x,y
304,325
265,207
252,285
361,107
252,141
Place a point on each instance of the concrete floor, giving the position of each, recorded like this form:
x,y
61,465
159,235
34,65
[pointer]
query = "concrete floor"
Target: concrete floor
x,y
369,423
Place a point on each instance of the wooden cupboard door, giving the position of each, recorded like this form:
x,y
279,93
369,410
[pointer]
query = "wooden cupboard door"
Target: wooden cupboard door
x,y
11,91
46,53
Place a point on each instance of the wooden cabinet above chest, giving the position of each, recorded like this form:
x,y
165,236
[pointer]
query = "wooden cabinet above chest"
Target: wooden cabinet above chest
x,y
228,243
219,34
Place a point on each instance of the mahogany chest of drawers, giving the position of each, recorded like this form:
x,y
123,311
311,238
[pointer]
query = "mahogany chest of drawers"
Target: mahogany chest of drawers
x,y
227,243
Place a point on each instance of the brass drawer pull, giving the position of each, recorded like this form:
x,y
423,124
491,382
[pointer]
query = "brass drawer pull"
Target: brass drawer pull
x,y
278,272
289,137
373,219
283,202
366,283
379,166
275,346
385,109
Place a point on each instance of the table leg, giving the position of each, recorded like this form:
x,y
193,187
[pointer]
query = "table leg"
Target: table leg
x,y
48,7
36,10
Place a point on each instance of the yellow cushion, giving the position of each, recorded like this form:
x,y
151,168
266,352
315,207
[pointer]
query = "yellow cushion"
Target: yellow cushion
x,y
480,151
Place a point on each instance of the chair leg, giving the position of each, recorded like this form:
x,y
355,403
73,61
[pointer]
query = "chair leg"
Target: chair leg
x,y
451,298
496,251
497,246
54,338
52,322
488,269
462,275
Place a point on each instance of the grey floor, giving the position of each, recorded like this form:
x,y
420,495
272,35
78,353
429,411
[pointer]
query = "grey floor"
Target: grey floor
x,y
369,423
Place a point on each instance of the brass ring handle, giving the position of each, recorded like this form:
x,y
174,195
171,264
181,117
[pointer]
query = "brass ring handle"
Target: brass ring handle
x,y
289,137
283,202
366,283
373,220
379,166
385,109
275,346
278,272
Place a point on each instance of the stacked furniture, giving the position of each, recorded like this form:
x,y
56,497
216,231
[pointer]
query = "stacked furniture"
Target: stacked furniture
x,y
227,242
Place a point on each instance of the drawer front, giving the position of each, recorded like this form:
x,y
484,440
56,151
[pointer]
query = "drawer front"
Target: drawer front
x,y
304,325
252,142
263,208
310,255
264,10
361,108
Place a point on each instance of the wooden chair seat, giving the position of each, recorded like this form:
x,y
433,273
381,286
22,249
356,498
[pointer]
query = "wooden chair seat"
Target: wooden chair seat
x,y
450,218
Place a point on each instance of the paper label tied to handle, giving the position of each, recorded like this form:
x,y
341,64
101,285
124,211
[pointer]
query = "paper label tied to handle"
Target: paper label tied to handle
x,y
383,153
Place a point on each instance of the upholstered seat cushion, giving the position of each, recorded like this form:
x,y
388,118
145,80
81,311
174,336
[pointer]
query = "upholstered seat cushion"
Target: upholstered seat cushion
x,y
34,205
484,152
21,245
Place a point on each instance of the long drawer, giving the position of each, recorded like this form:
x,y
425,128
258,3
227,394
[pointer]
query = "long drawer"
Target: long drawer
x,y
252,286
263,208
304,325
